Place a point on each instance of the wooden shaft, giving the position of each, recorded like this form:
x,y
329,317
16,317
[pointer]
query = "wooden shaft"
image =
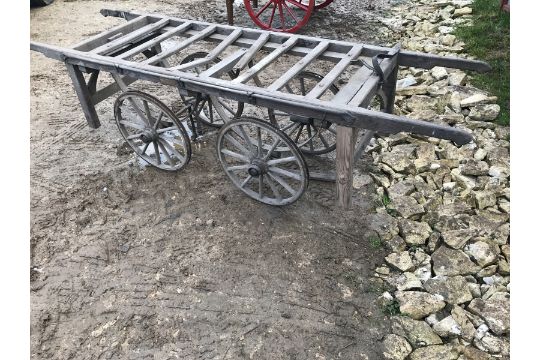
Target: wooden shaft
x,y
83,93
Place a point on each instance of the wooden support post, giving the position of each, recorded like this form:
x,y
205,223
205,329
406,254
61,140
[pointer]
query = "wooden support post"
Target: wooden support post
x,y
345,141
230,11
83,93
389,91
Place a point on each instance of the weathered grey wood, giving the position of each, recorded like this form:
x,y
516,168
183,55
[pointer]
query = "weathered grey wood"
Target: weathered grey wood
x,y
335,73
149,44
345,141
253,49
184,44
337,49
102,38
224,65
110,90
298,105
363,97
329,176
299,66
362,144
128,38
85,98
267,60
212,55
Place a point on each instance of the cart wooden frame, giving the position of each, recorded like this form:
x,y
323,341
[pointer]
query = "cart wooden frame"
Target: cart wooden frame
x,y
110,50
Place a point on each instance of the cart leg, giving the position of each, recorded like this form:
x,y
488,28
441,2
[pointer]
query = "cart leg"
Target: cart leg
x,y
230,12
345,141
389,91
85,98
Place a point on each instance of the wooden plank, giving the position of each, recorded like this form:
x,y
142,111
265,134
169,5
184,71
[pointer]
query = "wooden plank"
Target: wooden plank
x,y
344,115
337,50
110,90
299,66
267,60
345,141
214,53
129,38
85,98
253,49
336,72
149,44
184,44
224,65
102,38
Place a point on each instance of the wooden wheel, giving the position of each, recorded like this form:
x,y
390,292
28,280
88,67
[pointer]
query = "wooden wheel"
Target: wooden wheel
x,y
216,110
312,136
280,15
262,161
152,130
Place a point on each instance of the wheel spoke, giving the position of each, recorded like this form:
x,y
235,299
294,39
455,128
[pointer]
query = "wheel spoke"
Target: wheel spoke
x,y
156,150
247,139
260,186
158,120
281,16
246,181
284,172
147,111
237,145
299,133
299,5
272,148
238,167
303,86
133,137
272,16
228,108
210,112
281,161
143,151
283,183
263,8
310,137
290,12
164,151
234,155
332,130
175,152
138,110
273,187
259,142
325,143
289,89
161,131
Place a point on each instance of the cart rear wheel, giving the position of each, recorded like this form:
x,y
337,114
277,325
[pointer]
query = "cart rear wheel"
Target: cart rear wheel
x,y
280,15
312,136
216,110
262,161
152,130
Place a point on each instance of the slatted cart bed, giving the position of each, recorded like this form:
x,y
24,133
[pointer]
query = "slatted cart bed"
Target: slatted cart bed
x,y
307,113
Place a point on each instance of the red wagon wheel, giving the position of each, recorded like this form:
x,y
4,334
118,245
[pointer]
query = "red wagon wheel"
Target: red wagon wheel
x,y
280,15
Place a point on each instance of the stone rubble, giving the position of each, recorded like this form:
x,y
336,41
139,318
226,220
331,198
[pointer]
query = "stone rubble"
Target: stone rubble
x,y
448,208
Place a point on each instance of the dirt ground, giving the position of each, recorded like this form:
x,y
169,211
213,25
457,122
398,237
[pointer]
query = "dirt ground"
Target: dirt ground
x,y
130,262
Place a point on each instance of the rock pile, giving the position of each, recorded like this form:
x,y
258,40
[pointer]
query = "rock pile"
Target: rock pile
x,y
445,209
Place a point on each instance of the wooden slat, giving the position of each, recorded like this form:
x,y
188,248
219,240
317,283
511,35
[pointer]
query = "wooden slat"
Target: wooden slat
x,y
224,65
214,53
130,38
184,44
254,48
337,50
335,73
147,45
299,66
267,60
102,38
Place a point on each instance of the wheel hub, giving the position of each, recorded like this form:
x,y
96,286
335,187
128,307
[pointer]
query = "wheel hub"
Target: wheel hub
x,y
149,135
257,167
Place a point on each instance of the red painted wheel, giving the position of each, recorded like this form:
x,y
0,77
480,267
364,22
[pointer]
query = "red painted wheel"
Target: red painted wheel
x,y
319,4
280,15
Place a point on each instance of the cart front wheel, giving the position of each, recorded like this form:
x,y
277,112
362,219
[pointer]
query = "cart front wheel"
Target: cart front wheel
x,y
152,130
262,161
280,15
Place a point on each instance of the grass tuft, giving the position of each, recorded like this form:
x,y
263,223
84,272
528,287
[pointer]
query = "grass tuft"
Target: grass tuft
x,y
488,39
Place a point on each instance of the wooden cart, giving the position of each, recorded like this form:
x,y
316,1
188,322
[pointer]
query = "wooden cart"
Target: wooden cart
x,y
307,112
279,15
